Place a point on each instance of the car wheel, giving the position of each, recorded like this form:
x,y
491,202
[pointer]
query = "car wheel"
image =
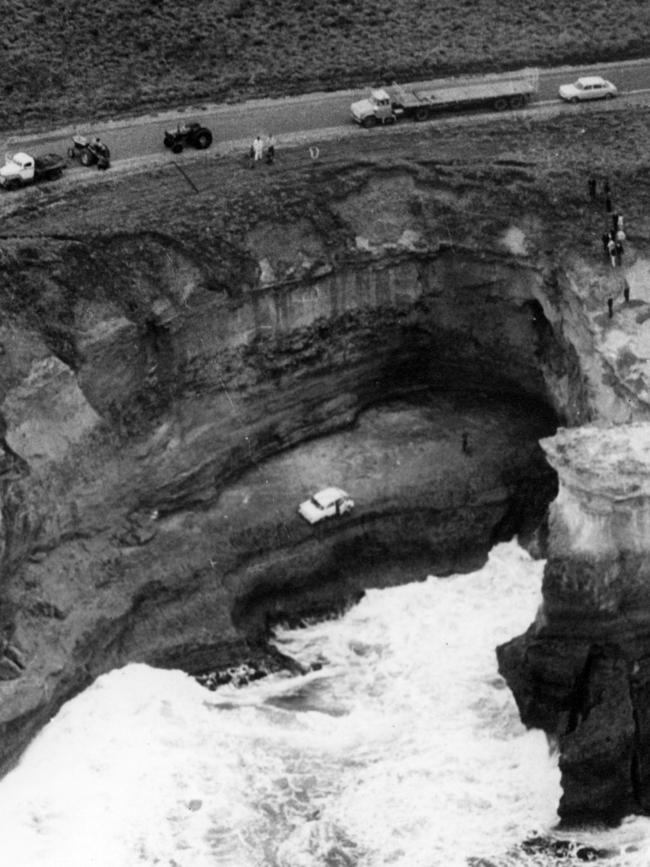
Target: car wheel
x,y
422,114
369,122
500,103
177,148
610,96
574,100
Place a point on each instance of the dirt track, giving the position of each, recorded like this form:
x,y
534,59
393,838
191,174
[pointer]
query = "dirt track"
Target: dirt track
x,y
549,146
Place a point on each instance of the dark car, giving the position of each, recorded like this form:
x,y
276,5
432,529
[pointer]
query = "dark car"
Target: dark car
x,y
187,135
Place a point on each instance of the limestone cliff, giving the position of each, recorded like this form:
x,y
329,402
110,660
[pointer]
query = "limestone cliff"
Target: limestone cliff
x,y
582,672
171,366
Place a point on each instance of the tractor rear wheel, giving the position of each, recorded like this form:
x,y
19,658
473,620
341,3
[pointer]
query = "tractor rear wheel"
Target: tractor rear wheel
x,y
203,139
168,141
87,158
177,148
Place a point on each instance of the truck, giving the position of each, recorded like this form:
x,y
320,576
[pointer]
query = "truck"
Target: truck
x,y
22,169
387,105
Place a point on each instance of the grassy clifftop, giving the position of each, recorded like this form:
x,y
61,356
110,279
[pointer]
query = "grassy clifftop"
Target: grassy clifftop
x,y
69,59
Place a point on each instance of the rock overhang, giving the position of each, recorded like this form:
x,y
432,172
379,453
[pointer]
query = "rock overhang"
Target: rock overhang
x,y
610,461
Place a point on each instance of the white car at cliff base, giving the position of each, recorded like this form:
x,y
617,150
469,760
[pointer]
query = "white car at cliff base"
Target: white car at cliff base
x,y
328,503
588,87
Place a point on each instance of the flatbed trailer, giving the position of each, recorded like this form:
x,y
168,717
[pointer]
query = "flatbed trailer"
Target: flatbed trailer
x,y
499,91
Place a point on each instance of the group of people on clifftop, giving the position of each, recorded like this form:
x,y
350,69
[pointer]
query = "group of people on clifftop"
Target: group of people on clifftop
x,y
614,236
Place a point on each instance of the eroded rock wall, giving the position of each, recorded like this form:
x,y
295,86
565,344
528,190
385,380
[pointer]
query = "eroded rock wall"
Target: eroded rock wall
x,y
148,374
582,671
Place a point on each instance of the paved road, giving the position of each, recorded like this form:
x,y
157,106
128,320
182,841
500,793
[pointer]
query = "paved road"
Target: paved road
x,y
143,137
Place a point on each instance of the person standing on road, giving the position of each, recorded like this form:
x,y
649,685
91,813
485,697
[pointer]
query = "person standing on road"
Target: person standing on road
x,y
592,187
258,148
270,150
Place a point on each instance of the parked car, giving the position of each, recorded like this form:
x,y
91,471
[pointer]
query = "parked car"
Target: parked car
x,y
328,503
588,87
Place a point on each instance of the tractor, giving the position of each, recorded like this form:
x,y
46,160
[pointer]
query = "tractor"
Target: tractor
x,y
187,135
89,152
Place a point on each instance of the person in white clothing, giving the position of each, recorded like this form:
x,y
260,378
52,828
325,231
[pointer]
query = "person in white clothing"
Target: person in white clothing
x,y
258,148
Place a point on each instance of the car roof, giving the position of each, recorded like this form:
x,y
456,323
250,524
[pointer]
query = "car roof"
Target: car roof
x,y
328,495
592,79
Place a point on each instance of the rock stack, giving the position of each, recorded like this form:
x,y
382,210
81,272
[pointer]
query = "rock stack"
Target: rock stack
x,y
582,670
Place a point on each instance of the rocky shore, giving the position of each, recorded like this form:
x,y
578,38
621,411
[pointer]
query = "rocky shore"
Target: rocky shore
x,y
178,373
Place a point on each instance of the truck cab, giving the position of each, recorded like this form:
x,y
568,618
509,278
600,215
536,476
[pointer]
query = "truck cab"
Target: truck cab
x,y
18,169
377,108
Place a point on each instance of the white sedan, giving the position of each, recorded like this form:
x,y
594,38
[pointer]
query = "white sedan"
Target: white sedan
x,y
589,87
328,503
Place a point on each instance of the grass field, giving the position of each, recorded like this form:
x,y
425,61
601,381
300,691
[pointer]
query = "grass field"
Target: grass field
x,y
69,59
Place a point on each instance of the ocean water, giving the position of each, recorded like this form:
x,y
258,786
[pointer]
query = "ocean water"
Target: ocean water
x,y
404,748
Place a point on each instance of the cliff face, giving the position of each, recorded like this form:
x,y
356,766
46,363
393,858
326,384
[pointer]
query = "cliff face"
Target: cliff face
x,y
582,670
170,367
